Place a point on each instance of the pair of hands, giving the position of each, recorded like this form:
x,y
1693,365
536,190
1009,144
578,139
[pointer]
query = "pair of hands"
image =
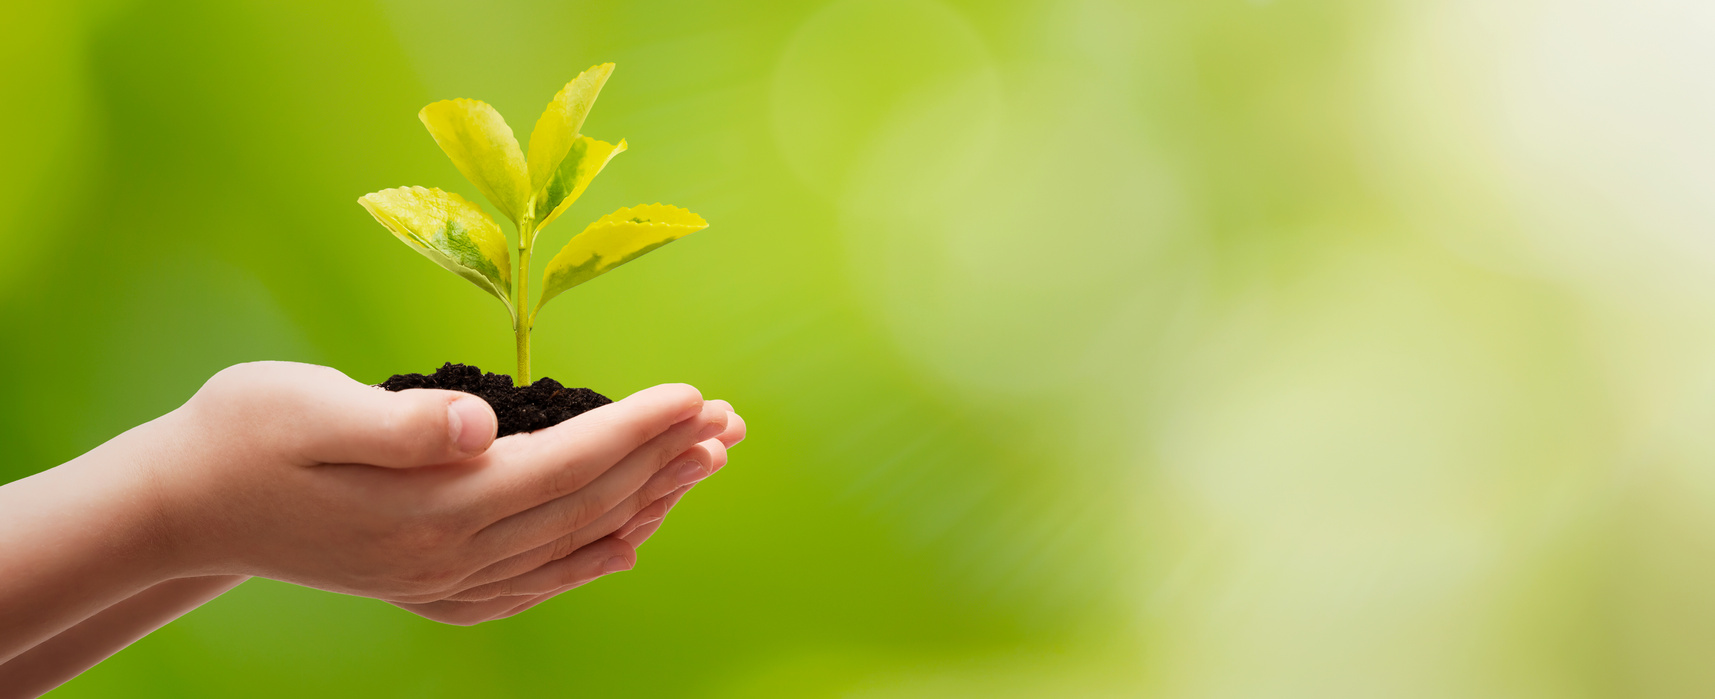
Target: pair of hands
x,y
298,473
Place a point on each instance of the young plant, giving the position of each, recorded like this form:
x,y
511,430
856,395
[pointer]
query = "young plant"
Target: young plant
x,y
532,190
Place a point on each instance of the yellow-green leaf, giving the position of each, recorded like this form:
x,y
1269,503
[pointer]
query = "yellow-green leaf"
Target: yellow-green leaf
x,y
614,240
450,230
480,143
560,125
582,163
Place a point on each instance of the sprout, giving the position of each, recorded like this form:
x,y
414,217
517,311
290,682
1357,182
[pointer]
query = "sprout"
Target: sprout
x,y
530,190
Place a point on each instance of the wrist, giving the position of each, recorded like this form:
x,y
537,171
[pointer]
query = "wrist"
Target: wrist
x,y
168,468
128,479
89,533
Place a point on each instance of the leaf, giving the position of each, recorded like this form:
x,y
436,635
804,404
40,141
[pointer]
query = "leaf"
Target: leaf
x,y
614,240
585,160
561,123
450,230
480,143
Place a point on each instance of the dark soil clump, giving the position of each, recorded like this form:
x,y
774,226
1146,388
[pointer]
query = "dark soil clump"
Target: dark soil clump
x,y
520,408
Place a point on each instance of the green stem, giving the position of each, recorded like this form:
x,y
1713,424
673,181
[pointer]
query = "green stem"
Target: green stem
x,y
521,326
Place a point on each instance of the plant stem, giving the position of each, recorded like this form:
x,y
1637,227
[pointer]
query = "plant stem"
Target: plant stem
x,y
521,327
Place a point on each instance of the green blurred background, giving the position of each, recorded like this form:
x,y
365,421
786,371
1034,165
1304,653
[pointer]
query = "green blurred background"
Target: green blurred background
x,y
1196,348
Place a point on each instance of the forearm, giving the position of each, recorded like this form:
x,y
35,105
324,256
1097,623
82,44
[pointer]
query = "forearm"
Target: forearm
x,y
58,659
81,538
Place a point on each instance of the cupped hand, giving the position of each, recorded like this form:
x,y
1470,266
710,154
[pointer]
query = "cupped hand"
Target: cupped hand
x,y
298,473
613,548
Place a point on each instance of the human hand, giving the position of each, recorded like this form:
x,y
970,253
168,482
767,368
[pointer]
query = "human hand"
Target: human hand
x,y
298,473
613,553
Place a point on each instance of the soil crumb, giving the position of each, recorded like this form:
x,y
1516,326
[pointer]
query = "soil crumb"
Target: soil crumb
x,y
520,408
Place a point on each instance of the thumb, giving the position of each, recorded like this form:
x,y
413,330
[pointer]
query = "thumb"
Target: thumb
x,y
416,427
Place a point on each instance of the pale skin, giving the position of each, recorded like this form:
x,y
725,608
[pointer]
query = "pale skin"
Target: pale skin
x,y
297,473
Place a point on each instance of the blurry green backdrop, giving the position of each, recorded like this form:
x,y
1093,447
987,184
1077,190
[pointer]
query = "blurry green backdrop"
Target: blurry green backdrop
x,y
1164,348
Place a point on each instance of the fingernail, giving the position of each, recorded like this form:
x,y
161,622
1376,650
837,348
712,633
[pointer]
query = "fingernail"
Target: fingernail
x,y
471,424
690,472
617,564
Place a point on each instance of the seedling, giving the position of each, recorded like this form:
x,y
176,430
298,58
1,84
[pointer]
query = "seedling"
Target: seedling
x,y
530,190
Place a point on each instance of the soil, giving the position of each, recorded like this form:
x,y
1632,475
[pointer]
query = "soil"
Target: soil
x,y
520,408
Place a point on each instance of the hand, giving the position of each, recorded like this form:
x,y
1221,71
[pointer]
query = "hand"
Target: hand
x,y
514,595
297,473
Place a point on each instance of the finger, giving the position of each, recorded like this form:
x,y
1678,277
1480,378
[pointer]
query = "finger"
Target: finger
x,y
482,585
533,600
673,500
623,484
541,555
645,523
612,523
717,450
642,534
462,613
653,513
472,613
538,599
658,510
348,422
602,557
643,526
549,464
734,426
